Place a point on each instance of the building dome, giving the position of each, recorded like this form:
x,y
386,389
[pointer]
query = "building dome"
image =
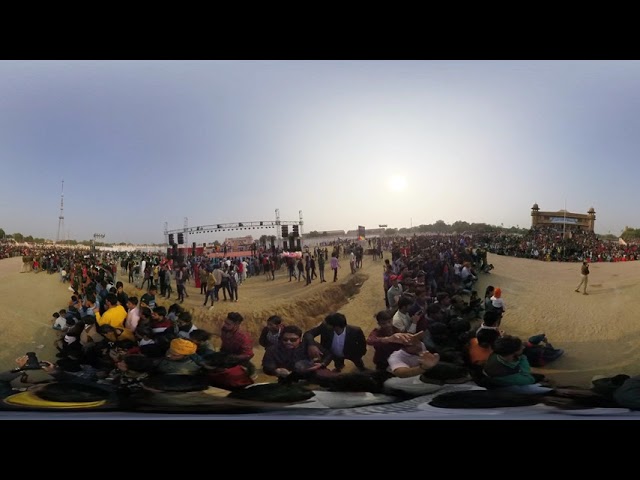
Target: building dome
x,y
591,210
535,207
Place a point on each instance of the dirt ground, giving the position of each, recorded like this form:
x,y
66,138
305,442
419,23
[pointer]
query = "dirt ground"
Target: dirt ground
x,y
599,332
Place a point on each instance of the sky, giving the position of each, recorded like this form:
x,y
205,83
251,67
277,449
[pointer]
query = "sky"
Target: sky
x,y
141,144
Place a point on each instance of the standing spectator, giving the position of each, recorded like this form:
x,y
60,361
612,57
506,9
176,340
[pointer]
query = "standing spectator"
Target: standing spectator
x,y
338,341
497,302
300,266
233,284
335,265
321,266
307,268
203,274
584,280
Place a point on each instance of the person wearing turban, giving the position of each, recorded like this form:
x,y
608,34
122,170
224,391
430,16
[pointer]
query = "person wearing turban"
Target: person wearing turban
x,y
179,360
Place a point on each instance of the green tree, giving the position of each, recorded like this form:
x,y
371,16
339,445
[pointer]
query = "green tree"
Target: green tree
x,y
18,237
2,234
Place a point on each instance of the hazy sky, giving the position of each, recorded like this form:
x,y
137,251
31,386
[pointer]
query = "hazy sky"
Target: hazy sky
x,y
141,143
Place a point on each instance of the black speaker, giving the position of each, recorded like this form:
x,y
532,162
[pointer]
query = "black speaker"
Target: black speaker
x,y
180,238
194,249
284,245
175,250
171,242
298,245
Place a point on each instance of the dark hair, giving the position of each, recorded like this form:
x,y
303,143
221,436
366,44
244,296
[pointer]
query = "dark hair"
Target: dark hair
x,y
487,336
199,335
292,329
440,296
119,284
185,317
112,299
506,345
235,317
336,320
383,315
275,319
133,300
160,310
56,315
405,301
175,307
492,318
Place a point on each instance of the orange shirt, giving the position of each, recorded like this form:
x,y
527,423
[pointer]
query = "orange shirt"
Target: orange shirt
x,y
478,355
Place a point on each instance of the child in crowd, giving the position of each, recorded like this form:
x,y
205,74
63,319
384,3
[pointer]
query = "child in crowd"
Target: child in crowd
x,y
497,302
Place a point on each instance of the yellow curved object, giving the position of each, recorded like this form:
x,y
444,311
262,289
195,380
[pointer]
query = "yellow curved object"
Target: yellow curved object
x,y
28,399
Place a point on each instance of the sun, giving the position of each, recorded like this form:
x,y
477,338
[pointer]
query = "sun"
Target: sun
x,y
398,183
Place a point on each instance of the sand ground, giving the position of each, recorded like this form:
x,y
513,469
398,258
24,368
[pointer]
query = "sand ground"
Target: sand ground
x,y
599,332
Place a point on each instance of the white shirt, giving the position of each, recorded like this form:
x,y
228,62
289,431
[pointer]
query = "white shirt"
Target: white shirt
x,y
400,358
498,303
402,321
337,344
133,317
183,334
60,323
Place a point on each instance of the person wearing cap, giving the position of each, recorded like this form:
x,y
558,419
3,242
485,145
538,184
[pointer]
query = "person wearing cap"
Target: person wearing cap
x,y
584,280
394,293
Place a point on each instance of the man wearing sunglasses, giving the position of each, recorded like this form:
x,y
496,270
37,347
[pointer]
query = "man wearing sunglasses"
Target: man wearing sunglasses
x,y
288,359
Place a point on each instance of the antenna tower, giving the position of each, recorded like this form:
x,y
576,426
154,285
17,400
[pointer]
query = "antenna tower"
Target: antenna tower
x,y
61,217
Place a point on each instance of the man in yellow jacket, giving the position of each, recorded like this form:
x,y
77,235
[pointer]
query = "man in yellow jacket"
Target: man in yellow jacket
x,y
114,316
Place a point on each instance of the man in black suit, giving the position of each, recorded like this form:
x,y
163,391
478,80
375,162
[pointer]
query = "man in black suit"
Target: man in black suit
x,y
338,341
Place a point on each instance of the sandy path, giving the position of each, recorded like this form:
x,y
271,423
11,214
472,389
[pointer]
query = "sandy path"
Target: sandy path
x,y
28,301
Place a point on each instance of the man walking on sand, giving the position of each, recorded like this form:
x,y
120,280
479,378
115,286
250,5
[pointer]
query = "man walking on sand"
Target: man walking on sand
x,y
585,278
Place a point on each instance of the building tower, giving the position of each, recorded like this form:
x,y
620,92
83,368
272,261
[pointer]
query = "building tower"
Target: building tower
x,y
592,219
535,215
61,217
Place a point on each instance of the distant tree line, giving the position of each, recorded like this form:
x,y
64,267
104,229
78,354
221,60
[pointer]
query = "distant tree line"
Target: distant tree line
x,y
630,234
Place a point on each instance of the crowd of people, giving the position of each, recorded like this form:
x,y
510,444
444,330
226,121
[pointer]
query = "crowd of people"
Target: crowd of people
x,y
435,329
557,244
